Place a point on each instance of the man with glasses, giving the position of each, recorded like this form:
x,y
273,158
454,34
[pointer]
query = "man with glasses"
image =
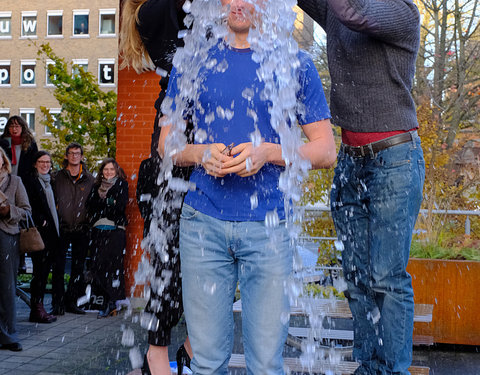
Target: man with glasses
x,y
72,185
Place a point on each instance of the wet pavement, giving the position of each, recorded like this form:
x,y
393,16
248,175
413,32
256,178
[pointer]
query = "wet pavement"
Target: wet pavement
x,y
83,344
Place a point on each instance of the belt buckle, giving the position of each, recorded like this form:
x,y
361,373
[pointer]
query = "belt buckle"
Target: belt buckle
x,y
367,150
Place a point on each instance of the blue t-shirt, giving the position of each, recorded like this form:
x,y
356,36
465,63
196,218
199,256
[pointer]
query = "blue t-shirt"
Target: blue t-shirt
x,y
231,111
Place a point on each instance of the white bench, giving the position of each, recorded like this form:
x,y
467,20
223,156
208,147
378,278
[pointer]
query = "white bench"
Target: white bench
x,y
333,309
341,367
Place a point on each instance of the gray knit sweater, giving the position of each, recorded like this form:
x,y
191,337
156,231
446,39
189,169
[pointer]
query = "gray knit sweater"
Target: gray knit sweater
x,y
372,46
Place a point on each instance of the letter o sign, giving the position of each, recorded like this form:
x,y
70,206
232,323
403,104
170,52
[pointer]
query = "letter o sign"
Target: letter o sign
x,y
28,75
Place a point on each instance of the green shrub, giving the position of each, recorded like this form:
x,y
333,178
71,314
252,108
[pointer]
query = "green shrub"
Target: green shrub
x,y
320,291
428,250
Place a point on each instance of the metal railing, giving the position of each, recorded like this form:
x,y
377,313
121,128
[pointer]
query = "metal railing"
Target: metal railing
x,y
317,211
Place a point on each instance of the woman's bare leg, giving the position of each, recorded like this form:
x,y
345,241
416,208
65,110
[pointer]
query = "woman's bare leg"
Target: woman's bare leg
x,y
188,347
158,360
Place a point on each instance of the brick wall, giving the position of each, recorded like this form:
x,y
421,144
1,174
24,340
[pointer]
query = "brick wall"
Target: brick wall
x,y
135,117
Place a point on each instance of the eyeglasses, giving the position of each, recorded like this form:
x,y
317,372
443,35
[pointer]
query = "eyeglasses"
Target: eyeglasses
x,y
71,153
14,126
44,162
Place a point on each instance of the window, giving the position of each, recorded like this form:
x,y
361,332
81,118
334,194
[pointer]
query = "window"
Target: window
x,y
5,25
79,63
28,115
4,115
27,72
55,23
80,23
106,72
5,73
56,123
106,22
48,80
29,24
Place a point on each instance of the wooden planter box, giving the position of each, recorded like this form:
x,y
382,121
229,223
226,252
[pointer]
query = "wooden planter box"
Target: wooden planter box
x,y
453,287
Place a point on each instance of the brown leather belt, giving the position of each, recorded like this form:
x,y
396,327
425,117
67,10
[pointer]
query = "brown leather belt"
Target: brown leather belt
x,y
371,149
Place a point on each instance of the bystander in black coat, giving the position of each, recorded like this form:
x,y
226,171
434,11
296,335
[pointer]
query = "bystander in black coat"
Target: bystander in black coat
x,y
106,215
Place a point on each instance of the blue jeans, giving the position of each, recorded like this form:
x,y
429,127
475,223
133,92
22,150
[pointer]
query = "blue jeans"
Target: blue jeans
x,y
215,254
375,202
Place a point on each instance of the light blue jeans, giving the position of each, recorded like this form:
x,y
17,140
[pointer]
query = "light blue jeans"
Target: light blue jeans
x,y
375,203
215,254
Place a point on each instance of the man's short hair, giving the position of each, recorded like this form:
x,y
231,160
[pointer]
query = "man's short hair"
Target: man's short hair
x,y
74,145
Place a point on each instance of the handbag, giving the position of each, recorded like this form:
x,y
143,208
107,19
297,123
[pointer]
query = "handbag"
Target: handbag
x,y
30,238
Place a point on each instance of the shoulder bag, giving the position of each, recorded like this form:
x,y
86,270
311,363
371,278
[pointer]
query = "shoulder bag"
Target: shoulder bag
x,y
30,238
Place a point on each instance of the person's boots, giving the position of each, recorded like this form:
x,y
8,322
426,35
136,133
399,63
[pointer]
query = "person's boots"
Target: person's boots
x,y
39,315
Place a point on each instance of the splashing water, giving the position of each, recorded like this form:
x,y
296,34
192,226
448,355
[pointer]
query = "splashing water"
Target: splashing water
x,y
275,51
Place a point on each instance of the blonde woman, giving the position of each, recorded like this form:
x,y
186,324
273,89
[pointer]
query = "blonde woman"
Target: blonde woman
x,y
148,40
14,206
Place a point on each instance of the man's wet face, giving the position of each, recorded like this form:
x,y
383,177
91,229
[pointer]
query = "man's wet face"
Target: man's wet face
x,y
240,16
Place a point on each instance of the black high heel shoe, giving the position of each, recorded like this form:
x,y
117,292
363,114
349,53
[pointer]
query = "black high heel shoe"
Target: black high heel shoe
x,y
110,310
183,360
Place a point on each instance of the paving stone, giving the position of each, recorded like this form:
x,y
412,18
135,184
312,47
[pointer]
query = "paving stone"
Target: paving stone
x,y
33,367
5,365
19,359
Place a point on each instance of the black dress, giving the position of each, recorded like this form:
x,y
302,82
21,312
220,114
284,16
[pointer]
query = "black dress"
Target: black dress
x,y
167,305
159,24
107,242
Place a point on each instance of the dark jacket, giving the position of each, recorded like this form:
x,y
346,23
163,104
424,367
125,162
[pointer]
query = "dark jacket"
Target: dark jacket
x,y
147,189
159,22
158,26
70,197
26,157
112,207
41,213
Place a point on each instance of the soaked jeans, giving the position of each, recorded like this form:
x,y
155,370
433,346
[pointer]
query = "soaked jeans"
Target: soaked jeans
x,y
375,203
214,255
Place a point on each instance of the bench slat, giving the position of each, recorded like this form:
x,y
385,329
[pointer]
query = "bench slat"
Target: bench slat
x,y
340,309
336,334
333,334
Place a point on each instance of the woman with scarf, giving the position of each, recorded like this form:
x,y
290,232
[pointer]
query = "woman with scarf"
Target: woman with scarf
x,y
44,213
14,207
106,213
19,144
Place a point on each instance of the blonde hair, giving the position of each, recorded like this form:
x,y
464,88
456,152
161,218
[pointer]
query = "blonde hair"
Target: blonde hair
x,y
132,51
6,163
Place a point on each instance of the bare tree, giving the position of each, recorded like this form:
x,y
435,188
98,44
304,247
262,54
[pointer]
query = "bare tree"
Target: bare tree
x,y
448,64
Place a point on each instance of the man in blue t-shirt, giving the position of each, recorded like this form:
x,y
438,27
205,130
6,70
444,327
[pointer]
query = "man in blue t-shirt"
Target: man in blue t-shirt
x,y
223,237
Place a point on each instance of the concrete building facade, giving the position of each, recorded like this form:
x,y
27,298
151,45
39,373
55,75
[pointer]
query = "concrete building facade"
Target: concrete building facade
x,y
83,32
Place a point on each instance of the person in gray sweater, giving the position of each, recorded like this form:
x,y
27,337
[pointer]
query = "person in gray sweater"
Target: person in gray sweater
x,y
14,206
377,189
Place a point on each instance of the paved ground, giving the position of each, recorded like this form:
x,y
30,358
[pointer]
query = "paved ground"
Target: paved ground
x,y
83,344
